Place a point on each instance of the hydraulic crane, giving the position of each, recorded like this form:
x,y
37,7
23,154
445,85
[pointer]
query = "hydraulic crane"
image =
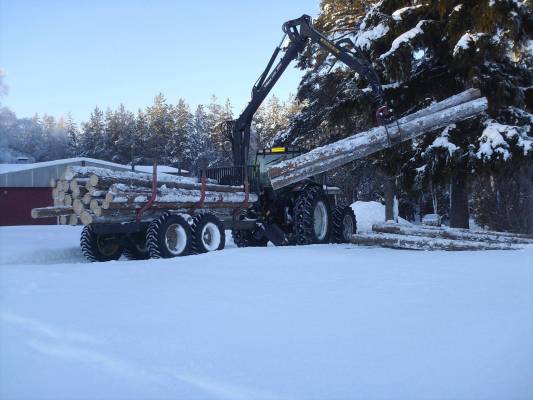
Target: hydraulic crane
x,y
300,32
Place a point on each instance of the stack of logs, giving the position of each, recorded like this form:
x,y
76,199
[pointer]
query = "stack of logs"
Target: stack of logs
x,y
416,237
89,195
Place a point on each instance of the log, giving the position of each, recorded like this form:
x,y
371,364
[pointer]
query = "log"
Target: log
x,y
422,243
104,178
79,192
46,212
169,206
179,196
78,206
63,219
86,199
88,218
448,233
332,156
73,219
502,234
68,200
77,183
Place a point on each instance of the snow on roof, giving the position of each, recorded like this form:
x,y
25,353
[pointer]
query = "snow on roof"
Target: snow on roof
x,y
5,168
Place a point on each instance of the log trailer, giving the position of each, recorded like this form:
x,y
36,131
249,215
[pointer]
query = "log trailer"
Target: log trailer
x,y
282,195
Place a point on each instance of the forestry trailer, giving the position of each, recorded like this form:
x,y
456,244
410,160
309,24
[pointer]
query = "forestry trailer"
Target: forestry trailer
x,y
278,195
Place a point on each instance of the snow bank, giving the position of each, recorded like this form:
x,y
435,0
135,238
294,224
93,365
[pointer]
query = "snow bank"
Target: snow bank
x,y
368,213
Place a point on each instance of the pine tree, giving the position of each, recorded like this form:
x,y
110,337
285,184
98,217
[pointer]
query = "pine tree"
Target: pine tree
x,y
72,136
160,130
183,127
93,131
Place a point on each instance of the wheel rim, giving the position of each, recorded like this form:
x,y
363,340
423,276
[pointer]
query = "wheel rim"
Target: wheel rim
x,y
347,227
176,239
210,236
320,218
106,245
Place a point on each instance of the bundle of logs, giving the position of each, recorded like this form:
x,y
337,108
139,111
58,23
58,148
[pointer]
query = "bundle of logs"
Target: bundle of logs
x,y
415,237
90,195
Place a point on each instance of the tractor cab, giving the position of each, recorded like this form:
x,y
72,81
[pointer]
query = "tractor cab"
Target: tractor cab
x,y
267,157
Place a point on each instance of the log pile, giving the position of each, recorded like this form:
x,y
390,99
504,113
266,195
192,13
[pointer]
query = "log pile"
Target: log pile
x,y
89,195
396,236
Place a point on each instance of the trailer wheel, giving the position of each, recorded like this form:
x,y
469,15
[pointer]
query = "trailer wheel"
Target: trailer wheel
x,y
344,224
312,217
207,234
168,236
97,247
137,248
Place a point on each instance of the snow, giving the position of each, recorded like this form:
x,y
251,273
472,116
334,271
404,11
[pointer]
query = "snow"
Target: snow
x,y
365,37
404,38
493,140
369,213
464,42
397,15
323,321
443,141
104,172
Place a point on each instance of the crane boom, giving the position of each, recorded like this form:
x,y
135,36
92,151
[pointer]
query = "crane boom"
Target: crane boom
x,y
300,31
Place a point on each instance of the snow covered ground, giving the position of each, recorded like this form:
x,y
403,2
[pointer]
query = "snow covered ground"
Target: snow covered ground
x,y
325,321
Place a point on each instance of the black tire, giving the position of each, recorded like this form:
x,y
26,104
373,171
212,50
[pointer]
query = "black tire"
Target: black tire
x,y
97,247
169,236
344,224
137,248
247,239
311,205
207,234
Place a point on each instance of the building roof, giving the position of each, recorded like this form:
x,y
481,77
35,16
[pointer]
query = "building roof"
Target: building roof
x,y
160,168
4,168
41,174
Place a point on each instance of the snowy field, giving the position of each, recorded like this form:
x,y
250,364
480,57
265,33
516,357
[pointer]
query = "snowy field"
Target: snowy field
x,y
316,322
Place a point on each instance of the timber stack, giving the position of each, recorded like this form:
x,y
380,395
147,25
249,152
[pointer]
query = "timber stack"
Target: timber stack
x,y
90,195
419,237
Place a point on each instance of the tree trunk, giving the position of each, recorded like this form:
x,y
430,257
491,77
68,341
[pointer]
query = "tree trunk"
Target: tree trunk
x,y
390,195
459,215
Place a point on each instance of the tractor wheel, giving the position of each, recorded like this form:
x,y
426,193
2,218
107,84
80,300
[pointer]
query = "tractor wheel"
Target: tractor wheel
x,y
247,239
137,249
207,234
312,217
169,236
344,224
97,247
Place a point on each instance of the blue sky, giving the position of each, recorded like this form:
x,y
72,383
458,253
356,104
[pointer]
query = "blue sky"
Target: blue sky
x,y
69,56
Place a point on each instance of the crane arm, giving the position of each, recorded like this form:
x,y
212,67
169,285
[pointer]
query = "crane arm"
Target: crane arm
x,y
300,31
